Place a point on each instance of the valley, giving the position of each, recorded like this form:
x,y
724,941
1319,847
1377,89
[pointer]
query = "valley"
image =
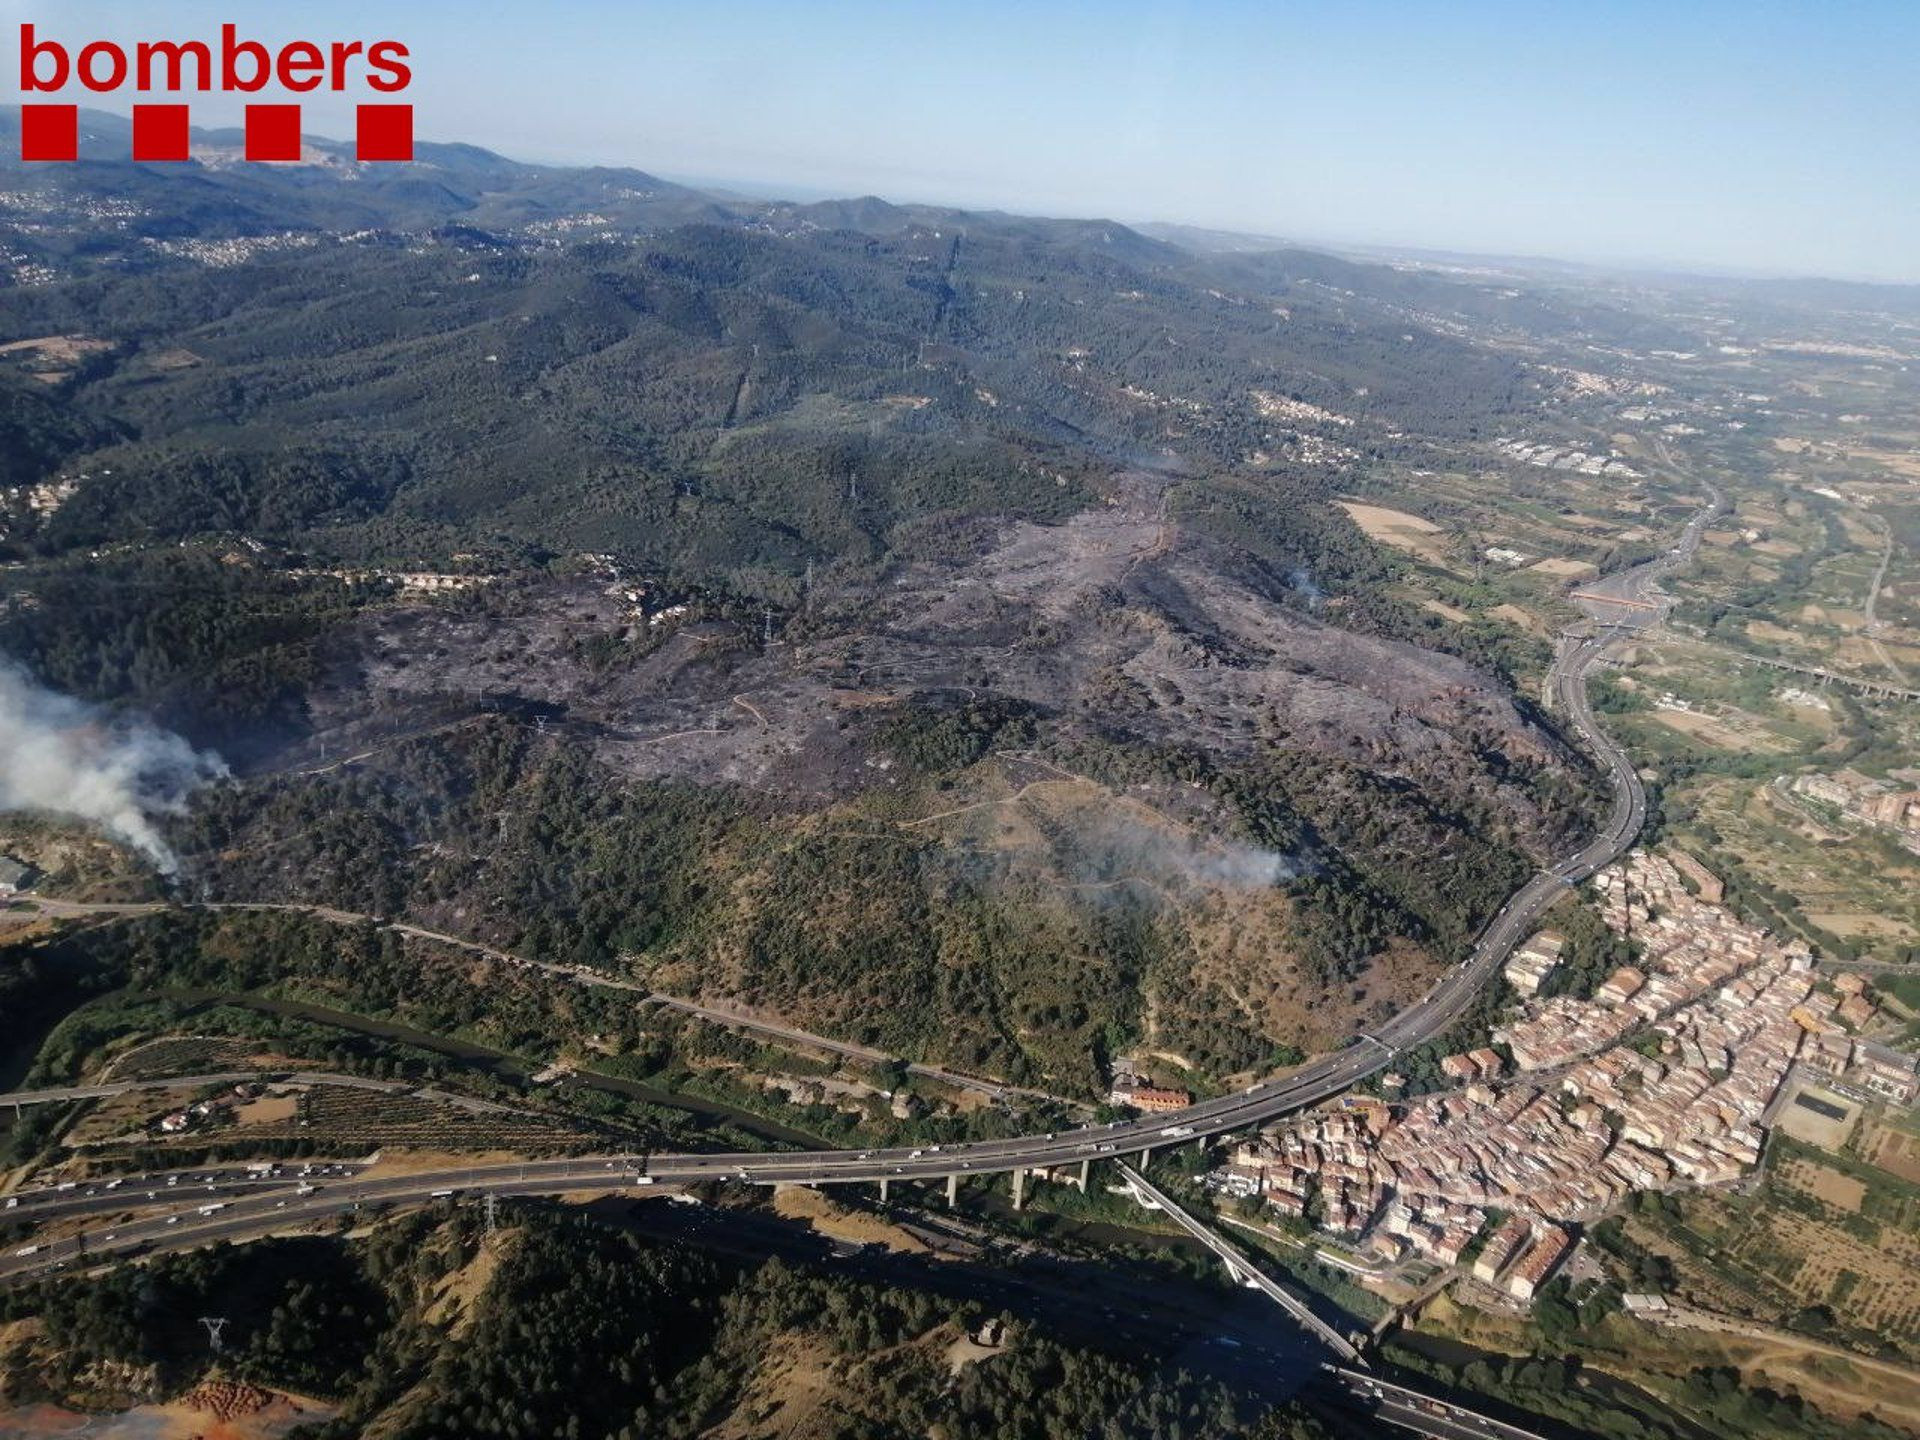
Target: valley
x,y
617,731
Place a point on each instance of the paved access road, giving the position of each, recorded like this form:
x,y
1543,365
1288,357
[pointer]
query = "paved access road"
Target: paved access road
x,y
323,1197
1307,1086
1239,1266
105,1089
734,1016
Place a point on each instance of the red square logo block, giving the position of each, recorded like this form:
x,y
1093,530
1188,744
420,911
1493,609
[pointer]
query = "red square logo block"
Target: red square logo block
x,y
49,132
160,132
383,132
273,132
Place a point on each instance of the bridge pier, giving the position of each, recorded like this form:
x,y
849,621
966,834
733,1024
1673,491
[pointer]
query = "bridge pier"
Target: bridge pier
x,y
883,1190
953,1190
1086,1175
1019,1189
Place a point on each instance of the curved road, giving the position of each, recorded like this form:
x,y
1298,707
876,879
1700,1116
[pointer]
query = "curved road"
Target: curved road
x,y
1638,605
733,1016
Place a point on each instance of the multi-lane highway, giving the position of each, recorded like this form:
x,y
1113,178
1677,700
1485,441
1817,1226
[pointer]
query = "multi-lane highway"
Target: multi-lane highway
x,y
236,1205
303,1196
124,1194
1305,1086
1411,1410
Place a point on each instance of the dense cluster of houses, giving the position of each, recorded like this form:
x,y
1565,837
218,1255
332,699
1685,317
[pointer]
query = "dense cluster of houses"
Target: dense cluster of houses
x,y
1665,1077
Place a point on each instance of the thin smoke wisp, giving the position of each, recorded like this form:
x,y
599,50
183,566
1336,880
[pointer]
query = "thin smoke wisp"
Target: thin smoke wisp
x,y
61,756
1118,847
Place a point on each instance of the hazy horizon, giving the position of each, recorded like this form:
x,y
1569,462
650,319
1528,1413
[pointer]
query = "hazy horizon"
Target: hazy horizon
x,y
1734,140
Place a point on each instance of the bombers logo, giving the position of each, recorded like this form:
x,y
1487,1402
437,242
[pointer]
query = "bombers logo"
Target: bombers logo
x,y
233,66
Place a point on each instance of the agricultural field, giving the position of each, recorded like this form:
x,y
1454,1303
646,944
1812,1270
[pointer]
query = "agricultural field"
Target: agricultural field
x,y
1856,892
1494,544
1656,1361
1871,1284
331,1119
365,1120
1893,1149
1752,709
186,1055
1819,560
1828,1243
1728,740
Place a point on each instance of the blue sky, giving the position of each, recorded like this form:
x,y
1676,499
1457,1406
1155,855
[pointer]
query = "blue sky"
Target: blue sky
x,y
1752,136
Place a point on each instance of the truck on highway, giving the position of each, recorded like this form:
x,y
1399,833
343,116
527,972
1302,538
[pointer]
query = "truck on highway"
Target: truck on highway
x,y
28,1250
217,1206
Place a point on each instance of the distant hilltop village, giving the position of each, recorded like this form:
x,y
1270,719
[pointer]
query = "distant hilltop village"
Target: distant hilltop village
x,y
1669,1076
420,582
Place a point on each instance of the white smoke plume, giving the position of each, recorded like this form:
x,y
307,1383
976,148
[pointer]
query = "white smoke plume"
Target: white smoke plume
x,y
1113,854
1117,847
64,757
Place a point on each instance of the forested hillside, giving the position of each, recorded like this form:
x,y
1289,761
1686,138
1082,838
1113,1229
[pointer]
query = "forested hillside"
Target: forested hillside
x,y
708,401
426,1329
781,602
